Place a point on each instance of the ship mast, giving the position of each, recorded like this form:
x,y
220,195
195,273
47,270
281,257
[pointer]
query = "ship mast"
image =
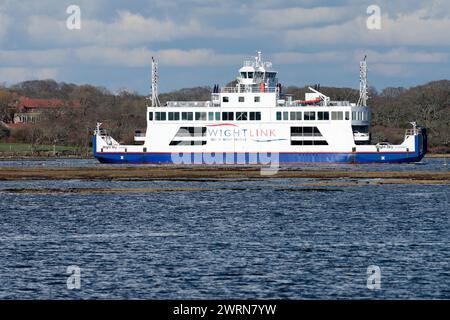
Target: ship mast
x,y
154,85
363,88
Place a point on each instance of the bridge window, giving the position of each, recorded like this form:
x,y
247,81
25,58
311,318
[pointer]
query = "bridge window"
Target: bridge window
x,y
160,116
282,115
200,116
217,116
365,116
347,115
353,115
150,116
250,75
323,115
241,99
174,116
210,116
257,99
310,115
187,116
227,116
225,99
241,116
337,115
296,115
255,116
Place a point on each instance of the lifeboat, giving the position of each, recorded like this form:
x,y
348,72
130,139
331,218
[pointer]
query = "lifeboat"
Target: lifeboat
x,y
316,100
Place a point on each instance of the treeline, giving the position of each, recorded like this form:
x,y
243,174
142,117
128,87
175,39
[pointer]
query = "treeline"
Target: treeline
x,y
392,110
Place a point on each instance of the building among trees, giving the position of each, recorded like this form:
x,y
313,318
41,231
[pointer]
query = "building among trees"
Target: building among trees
x,y
30,110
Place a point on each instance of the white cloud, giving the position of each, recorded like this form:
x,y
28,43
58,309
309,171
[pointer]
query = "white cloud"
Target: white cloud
x,y
53,57
399,55
127,29
52,7
391,70
289,17
14,75
414,29
115,57
5,23
141,57
403,56
316,57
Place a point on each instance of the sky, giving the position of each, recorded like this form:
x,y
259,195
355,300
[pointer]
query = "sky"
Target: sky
x,y
203,42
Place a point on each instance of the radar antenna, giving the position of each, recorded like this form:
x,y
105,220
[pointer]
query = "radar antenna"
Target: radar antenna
x,y
363,87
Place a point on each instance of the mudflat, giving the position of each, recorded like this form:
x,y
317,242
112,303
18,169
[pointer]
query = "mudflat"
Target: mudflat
x,y
210,173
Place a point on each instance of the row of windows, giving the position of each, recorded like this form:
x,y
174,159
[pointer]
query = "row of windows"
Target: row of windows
x,y
312,115
203,116
241,99
256,116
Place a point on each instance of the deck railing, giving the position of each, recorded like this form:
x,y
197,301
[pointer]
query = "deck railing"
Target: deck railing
x,y
188,104
252,89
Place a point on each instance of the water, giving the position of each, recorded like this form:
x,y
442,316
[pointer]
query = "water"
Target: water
x,y
238,239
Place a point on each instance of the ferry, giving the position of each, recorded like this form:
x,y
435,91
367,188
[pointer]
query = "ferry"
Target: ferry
x,y
255,122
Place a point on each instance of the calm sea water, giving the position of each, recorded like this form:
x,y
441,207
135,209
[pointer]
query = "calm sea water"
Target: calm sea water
x,y
240,239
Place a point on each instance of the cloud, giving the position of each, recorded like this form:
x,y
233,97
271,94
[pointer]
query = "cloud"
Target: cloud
x,y
5,23
391,70
141,57
413,29
403,56
127,29
52,57
290,17
14,75
316,57
398,55
116,57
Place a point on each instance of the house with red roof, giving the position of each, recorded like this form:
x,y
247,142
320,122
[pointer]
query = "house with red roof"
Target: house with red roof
x,y
30,110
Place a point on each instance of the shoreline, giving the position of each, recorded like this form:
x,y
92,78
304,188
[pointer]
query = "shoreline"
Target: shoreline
x,y
206,173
